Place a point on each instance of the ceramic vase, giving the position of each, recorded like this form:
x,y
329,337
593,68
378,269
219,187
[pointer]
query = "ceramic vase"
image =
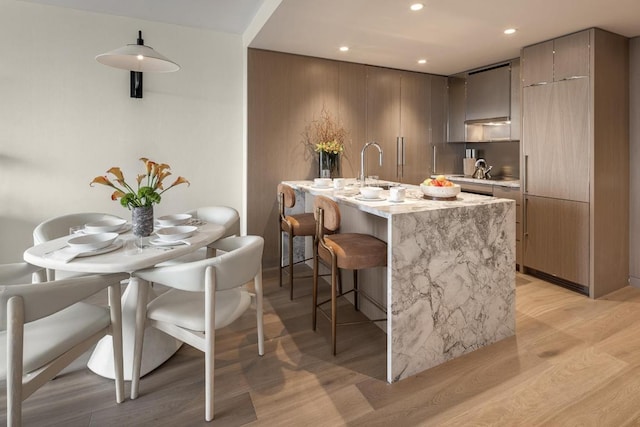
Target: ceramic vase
x,y
142,221
329,165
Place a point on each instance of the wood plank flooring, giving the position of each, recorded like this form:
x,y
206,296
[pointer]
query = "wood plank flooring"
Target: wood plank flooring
x,y
573,361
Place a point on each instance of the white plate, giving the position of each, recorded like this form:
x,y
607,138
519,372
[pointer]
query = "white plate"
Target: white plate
x,y
160,242
173,220
91,242
107,225
321,187
364,199
176,233
112,247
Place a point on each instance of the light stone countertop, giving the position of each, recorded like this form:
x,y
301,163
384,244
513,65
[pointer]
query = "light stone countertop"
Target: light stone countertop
x,y
414,202
512,183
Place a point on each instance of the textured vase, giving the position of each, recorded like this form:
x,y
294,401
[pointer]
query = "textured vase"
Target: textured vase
x,y
142,221
329,165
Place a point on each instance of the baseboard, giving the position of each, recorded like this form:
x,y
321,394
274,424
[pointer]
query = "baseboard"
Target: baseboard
x,y
634,281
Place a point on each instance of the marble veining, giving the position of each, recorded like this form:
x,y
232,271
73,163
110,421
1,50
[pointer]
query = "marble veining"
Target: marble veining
x,y
457,292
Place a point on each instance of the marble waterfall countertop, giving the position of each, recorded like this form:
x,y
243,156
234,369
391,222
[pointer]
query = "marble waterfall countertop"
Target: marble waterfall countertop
x,y
449,284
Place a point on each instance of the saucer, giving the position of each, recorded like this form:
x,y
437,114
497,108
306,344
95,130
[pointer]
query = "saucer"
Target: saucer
x,y
364,199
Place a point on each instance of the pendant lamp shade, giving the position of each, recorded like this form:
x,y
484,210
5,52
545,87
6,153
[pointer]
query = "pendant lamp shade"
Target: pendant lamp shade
x,y
140,58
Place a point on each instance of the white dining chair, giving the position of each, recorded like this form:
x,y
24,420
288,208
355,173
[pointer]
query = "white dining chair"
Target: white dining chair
x,y
206,295
46,326
59,226
225,216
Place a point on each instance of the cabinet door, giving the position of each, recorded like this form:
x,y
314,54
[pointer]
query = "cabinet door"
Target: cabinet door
x,y
383,121
556,238
415,155
456,103
352,113
537,64
556,140
571,56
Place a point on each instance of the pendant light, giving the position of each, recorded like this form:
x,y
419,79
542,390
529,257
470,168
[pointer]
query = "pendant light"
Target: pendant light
x,y
138,58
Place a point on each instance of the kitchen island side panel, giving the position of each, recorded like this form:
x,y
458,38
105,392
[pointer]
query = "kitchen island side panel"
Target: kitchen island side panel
x,y
453,284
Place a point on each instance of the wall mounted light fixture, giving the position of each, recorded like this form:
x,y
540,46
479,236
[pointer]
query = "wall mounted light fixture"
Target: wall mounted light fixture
x,y
137,58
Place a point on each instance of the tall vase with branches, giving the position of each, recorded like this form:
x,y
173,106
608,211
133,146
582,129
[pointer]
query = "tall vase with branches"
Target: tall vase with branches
x,y
326,137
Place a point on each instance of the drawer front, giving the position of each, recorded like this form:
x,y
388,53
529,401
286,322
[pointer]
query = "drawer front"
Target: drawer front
x,y
508,193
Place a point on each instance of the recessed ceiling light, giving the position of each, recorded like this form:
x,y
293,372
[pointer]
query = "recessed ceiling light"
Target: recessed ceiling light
x,y
416,6
510,31
344,48
422,61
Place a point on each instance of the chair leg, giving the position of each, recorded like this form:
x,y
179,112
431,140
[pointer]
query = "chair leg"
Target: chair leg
x,y
315,286
356,296
279,253
116,338
209,344
15,340
290,266
141,318
334,304
258,289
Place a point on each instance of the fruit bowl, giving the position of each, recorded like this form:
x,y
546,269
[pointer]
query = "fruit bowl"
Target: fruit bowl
x,y
440,192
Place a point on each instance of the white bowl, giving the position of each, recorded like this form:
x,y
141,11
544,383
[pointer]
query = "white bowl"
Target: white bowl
x,y
440,192
173,220
371,192
92,242
322,182
105,226
179,232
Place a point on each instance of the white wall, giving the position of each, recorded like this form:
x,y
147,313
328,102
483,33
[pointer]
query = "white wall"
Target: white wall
x,y
64,118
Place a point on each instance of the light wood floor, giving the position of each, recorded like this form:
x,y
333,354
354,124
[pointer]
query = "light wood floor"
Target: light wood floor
x,y
573,361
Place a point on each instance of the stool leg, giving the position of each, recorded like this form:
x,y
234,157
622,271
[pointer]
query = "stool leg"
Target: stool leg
x,y
290,266
315,286
356,296
280,253
334,303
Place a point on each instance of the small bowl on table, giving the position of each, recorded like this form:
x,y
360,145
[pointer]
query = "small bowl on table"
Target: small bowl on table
x,y
91,242
173,220
435,192
370,192
179,232
107,225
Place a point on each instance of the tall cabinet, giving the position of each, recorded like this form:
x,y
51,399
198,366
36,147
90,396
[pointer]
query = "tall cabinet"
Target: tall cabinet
x,y
575,146
399,120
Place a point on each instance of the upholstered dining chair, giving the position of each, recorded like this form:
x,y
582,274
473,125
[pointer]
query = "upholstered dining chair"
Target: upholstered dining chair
x,y
56,227
206,295
46,326
302,224
351,251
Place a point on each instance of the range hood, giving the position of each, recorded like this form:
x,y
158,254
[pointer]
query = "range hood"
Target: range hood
x,y
488,104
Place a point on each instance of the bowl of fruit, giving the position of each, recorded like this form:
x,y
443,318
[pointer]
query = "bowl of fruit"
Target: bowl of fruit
x,y
439,188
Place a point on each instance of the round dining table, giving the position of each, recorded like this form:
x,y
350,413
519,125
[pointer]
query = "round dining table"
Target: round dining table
x,y
158,346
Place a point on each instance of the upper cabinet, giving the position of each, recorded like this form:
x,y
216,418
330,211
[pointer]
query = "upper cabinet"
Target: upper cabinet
x,y
555,60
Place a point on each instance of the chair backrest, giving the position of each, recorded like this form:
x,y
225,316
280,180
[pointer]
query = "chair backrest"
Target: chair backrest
x,y
19,272
226,216
239,264
331,212
59,226
43,299
288,195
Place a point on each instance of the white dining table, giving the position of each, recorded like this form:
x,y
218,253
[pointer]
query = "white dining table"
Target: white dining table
x,y
158,346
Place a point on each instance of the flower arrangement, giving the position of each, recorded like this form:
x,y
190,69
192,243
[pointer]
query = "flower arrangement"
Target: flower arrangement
x,y
150,187
325,135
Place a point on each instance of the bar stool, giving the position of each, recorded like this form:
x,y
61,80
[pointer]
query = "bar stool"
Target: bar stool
x,y
294,225
352,251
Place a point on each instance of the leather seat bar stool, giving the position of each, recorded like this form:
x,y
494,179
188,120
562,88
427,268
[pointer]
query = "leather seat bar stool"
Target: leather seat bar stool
x,y
351,251
294,225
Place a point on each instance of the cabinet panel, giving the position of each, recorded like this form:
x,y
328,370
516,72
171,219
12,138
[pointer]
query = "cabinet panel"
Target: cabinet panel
x,y
415,158
537,64
456,103
571,56
383,121
352,113
556,140
556,238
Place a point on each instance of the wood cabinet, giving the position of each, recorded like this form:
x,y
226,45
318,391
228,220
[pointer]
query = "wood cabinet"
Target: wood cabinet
x,y
575,149
556,60
557,238
555,144
456,110
398,119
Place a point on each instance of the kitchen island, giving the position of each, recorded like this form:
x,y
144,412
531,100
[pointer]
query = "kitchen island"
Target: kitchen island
x,y
449,284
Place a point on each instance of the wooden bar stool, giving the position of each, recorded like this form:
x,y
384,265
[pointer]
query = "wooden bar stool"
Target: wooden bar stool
x,y
352,251
294,225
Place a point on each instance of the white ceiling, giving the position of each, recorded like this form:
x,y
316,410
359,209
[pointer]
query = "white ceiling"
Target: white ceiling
x,y
453,35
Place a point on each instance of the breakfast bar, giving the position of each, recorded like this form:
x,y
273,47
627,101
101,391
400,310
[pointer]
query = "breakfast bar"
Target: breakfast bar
x,y
449,284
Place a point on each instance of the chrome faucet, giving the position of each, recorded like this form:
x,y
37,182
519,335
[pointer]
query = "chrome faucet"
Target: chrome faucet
x,y
362,171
